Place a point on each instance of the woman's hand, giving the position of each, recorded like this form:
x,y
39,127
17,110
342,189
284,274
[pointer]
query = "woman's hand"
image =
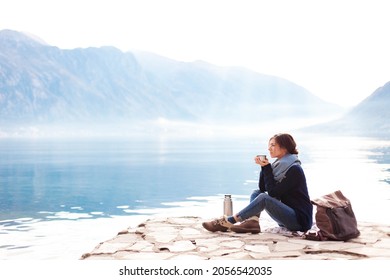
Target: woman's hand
x,y
261,162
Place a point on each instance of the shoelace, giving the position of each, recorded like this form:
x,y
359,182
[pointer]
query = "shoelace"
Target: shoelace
x,y
218,222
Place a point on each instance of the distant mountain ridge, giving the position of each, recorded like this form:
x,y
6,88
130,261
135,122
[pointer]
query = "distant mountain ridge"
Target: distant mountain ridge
x,y
44,84
372,115
370,118
374,110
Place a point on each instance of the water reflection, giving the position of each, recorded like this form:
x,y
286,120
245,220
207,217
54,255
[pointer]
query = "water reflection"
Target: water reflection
x,y
357,166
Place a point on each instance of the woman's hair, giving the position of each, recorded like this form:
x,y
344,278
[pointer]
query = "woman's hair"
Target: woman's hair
x,y
286,141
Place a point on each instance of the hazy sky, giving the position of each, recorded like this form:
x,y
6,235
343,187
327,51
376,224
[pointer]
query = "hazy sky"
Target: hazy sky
x,y
339,50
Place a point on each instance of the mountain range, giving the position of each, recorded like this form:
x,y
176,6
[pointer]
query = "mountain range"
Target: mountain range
x,y
43,84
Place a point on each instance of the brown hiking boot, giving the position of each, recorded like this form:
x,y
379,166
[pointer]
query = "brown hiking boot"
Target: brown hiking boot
x,y
220,224
250,225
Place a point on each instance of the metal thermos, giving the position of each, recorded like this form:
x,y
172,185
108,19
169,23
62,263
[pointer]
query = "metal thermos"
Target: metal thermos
x,y
228,205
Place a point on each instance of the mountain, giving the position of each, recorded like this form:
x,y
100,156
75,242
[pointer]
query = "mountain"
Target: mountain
x,y
371,117
44,84
40,83
231,92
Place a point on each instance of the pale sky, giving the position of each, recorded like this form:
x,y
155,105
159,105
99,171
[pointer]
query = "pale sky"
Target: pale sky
x,y
338,50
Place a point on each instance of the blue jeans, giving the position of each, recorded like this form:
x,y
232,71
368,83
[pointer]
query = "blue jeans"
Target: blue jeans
x,y
284,215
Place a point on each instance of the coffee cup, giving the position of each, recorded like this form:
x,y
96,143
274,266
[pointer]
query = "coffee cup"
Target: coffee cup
x,y
262,157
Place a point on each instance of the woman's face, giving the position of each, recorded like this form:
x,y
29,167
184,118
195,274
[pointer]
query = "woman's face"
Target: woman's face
x,y
275,150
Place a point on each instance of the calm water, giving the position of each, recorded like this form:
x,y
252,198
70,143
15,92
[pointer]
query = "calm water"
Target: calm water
x,y
44,181
39,179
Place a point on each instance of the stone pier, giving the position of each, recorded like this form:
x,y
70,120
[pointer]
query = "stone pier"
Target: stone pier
x,y
173,238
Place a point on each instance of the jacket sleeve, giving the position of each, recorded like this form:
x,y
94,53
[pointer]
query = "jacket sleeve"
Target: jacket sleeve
x,y
261,182
277,189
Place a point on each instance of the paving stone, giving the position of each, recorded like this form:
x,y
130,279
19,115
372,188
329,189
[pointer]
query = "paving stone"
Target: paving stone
x,y
284,246
271,236
182,220
337,246
160,237
371,252
233,256
223,252
124,238
209,248
232,244
383,243
190,232
276,255
257,248
101,257
213,240
179,246
108,248
142,256
142,246
187,257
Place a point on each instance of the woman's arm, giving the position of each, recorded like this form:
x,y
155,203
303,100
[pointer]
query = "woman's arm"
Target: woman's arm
x,y
262,183
261,176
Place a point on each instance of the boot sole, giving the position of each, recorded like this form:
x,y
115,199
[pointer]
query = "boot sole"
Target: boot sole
x,y
246,230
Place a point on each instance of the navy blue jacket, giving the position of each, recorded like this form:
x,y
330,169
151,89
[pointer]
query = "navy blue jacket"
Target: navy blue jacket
x,y
292,191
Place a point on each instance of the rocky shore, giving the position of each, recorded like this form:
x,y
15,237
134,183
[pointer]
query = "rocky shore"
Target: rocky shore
x,y
184,238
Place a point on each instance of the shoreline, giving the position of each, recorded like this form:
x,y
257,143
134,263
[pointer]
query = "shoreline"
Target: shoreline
x,y
69,239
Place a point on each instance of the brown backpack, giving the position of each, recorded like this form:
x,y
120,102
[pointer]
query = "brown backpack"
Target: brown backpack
x,y
335,218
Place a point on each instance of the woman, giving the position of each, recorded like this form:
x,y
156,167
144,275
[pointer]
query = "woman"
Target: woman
x,y
282,193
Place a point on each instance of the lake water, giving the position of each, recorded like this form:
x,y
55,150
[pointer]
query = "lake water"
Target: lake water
x,y
58,199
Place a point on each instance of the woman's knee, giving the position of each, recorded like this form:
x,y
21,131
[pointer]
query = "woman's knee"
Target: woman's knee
x,y
262,196
254,194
